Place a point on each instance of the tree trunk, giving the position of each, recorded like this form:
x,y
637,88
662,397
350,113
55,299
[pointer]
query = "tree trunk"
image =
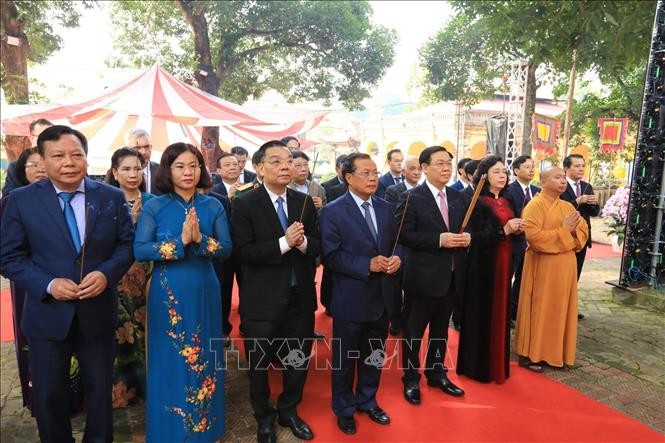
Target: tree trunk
x,y
529,107
569,105
14,49
206,78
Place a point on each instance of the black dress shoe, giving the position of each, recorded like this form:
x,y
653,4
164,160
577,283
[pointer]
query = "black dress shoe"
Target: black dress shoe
x,y
446,386
378,415
412,393
319,336
297,426
580,316
346,424
266,433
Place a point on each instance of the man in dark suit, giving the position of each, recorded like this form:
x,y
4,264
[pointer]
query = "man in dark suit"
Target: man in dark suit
x,y
277,250
463,180
241,155
139,139
434,266
229,172
70,267
394,175
580,194
519,193
328,185
358,233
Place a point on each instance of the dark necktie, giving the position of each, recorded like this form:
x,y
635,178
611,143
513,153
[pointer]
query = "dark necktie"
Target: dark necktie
x,y
578,191
70,218
398,180
284,221
527,196
368,219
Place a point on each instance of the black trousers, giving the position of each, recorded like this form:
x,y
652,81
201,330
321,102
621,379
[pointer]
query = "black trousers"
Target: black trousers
x,y
49,369
426,311
580,256
288,340
518,265
225,272
355,344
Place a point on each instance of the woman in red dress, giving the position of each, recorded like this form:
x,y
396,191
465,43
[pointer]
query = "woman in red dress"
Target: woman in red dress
x,y
484,343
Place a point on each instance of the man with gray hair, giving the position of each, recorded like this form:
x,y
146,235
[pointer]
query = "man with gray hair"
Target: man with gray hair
x,y
139,139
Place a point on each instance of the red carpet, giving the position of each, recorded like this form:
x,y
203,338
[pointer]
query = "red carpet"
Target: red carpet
x,y
600,250
6,321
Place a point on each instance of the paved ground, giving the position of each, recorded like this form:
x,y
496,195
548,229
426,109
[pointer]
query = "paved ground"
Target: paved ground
x,y
620,362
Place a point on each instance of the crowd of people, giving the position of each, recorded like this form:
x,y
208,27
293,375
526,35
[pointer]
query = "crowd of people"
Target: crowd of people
x,y
135,277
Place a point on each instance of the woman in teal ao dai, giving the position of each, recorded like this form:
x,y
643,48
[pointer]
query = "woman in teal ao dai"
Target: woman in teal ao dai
x,y
181,231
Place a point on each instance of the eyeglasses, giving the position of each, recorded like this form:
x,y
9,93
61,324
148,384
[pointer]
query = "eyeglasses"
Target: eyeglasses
x,y
278,163
31,165
180,168
368,174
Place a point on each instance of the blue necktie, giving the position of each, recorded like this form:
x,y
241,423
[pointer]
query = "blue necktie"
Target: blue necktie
x,y
283,220
70,218
398,180
368,219
285,224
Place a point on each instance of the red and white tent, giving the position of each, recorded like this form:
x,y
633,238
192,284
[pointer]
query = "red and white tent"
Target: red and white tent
x,y
171,111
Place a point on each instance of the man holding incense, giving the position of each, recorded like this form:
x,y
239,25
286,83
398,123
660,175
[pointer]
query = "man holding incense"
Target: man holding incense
x,y
434,265
68,240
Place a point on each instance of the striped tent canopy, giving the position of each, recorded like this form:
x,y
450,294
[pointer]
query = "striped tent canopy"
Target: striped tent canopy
x,y
170,110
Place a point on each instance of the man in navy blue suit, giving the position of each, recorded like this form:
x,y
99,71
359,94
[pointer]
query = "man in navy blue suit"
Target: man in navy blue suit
x,y
520,192
358,233
394,176
68,241
463,180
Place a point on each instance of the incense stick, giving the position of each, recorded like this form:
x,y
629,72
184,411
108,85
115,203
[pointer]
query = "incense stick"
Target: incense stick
x,y
302,212
474,200
401,222
84,243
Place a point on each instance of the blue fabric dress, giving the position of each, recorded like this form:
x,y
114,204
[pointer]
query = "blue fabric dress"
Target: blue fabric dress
x,y
185,385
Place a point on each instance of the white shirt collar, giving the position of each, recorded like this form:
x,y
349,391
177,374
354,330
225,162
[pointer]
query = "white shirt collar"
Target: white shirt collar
x,y
435,191
81,188
274,197
359,201
572,182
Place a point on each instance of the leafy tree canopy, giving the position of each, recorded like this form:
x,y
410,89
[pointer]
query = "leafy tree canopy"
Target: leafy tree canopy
x,y
305,50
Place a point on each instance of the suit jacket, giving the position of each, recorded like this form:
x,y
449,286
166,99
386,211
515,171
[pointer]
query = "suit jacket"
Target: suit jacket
x,y
458,185
154,166
336,192
587,211
248,176
10,179
427,267
347,247
467,194
385,182
220,189
37,247
515,196
266,283
329,184
393,192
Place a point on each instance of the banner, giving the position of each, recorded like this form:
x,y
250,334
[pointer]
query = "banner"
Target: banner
x,y
612,134
544,133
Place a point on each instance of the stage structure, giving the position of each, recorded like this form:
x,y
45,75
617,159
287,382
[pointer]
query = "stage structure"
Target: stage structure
x,y
643,262
516,110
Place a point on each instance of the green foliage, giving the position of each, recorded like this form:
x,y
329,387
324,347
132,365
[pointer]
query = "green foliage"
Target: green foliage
x,y
39,18
610,37
304,50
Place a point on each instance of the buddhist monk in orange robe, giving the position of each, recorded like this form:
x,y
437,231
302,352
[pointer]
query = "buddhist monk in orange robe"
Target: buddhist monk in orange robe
x,y
546,329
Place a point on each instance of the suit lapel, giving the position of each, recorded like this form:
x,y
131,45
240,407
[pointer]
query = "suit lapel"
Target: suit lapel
x,y
571,192
379,222
270,212
432,206
92,207
355,212
454,211
294,205
46,194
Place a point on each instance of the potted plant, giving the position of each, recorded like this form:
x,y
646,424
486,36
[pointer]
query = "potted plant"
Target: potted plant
x,y
616,210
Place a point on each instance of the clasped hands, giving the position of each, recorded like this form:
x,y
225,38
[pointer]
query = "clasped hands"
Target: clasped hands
x,y
514,226
571,221
91,286
295,234
191,233
452,240
388,265
590,199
